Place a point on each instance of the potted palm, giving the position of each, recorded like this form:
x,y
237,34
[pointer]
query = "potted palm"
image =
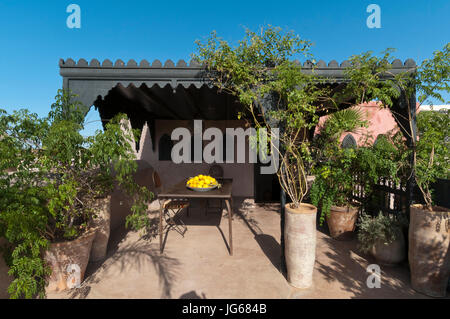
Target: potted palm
x,y
332,191
333,186
50,207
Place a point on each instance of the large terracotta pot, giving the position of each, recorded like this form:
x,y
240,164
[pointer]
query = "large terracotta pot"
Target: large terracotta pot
x,y
103,224
300,244
68,261
392,253
342,221
5,279
429,255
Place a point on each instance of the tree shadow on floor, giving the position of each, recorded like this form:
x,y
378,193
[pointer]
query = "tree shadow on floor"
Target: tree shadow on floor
x,y
131,257
270,207
348,267
192,295
268,244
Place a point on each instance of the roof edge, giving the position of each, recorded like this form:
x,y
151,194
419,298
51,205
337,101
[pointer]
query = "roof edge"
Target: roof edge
x,y
144,64
131,64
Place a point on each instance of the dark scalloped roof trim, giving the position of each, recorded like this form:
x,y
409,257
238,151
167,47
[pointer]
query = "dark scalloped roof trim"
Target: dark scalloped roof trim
x,y
333,64
169,64
144,64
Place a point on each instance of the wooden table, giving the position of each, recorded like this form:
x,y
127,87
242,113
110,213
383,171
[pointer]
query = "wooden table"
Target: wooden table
x,y
181,192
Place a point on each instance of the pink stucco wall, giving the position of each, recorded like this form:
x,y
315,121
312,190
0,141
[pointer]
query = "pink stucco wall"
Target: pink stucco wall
x,y
380,120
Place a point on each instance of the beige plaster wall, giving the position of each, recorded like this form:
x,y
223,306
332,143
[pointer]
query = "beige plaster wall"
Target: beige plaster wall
x,y
172,173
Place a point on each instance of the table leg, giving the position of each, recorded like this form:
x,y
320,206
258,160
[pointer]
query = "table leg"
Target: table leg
x,y
231,204
161,228
230,219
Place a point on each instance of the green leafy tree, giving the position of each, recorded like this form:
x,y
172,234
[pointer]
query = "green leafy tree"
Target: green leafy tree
x,y
51,177
430,152
275,93
370,77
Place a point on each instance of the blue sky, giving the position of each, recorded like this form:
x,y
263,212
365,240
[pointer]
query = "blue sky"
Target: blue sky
x,y
34,35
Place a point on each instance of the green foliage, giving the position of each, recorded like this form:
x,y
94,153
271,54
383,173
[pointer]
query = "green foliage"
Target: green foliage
x,y
384,228
335,166
275,92
50,179
334,181
387,158
348,120
327,143
432,150
369,78
431,80
433,76
338,171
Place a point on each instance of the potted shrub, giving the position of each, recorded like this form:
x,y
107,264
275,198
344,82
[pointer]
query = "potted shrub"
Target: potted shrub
x,y
50,202
382,236
333,186
428,230
428,155
277,96
332,192
276,93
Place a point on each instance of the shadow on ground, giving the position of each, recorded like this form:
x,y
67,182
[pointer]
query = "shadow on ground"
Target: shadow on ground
x,y
192,295
347,266
130,257
241,210
268,244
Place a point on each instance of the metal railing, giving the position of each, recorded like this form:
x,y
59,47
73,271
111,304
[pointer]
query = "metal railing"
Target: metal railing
x,y
386,196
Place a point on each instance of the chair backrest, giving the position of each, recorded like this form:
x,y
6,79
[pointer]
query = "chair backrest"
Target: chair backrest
x,y
216,171
156,180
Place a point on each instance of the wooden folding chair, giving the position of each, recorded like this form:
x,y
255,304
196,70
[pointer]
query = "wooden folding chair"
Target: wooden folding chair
x,y
171,208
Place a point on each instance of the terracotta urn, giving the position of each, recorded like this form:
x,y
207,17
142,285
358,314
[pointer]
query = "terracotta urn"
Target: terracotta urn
x,y
342,222
68,261
429,254
5,278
